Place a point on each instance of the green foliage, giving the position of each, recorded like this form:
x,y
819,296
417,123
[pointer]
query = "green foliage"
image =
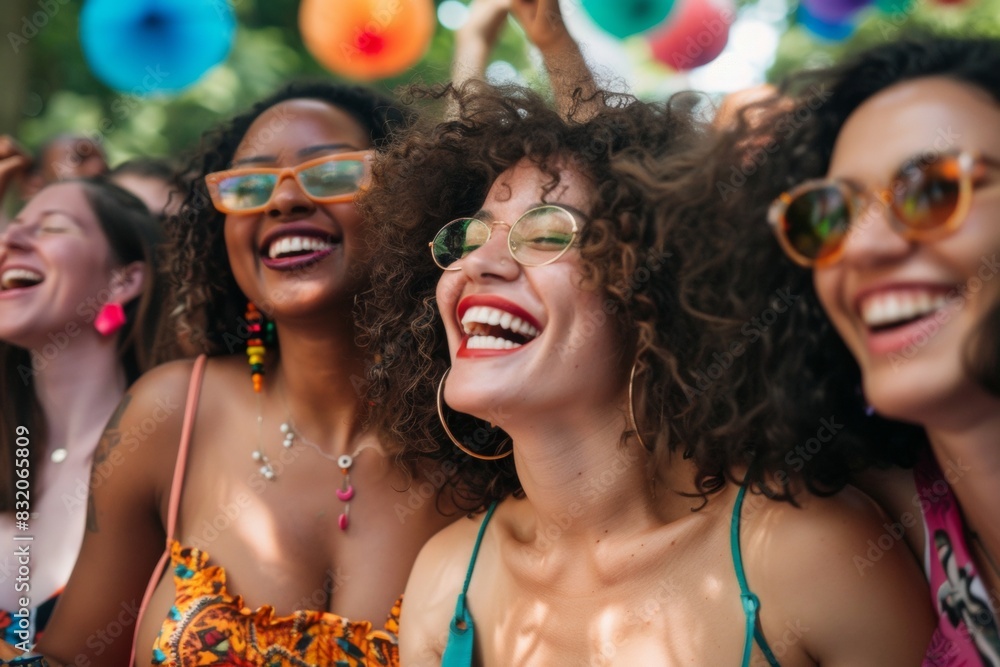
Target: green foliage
x,y
798,48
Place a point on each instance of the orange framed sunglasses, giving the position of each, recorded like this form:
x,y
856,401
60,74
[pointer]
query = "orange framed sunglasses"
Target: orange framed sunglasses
x,y
330,179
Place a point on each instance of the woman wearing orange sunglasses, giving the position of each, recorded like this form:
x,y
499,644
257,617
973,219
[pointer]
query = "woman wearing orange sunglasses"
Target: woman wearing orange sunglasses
x,y
278,527
882,187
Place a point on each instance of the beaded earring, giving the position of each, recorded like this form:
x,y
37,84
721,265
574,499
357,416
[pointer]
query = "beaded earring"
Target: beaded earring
x,y
259,332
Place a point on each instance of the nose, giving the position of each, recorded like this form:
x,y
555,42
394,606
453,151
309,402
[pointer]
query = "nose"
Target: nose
x,y
12,236
873,238
492,260
289,201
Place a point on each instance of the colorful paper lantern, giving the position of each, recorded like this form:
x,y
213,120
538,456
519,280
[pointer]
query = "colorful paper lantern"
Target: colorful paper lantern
x,y
367,39
154,46
622,18
695,35
831,31
834,11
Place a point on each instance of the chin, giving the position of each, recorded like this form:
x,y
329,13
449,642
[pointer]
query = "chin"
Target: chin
x,y
913,395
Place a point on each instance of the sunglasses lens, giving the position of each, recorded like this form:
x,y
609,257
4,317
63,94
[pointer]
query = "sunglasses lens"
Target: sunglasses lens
x,y
926,194
336,178
246,191
816,221
458,238
541,235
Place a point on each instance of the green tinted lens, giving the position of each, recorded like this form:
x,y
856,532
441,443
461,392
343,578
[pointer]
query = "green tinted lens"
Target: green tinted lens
x,y
925,195
541,235
816,221
335,178
246,191
458,238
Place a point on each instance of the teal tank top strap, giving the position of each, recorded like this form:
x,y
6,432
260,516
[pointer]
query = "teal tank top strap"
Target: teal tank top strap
x,y
461,634
751,603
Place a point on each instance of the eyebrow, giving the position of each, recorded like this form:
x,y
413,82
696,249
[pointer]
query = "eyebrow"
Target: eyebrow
x,y
487,216
304,152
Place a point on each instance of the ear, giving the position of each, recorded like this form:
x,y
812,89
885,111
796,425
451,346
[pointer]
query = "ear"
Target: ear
x,y
127,282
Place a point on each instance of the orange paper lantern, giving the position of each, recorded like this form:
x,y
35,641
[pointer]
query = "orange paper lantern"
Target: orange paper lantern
x,y
367,39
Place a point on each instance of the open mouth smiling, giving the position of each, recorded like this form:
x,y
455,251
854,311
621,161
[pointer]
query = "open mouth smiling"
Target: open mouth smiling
x,y
295,248
495,326
18,278
888,310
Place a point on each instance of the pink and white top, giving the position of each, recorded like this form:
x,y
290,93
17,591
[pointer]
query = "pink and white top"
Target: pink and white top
x,y
967,634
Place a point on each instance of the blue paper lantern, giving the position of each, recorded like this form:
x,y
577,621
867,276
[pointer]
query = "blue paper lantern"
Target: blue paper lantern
x,y
831,31
622,18
143,47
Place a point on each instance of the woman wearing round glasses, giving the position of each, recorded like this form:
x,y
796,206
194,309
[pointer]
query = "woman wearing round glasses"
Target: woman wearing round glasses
x,y
559,344
278,528
891,202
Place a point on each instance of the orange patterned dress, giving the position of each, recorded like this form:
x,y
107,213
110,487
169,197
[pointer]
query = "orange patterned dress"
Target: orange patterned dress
x,y
208,626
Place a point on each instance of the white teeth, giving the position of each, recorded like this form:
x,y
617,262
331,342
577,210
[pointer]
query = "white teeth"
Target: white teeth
x,y
887,308
291,244
12,278
490,343
493,317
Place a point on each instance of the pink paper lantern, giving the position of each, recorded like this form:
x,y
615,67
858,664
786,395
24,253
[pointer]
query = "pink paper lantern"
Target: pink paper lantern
x,y
695,34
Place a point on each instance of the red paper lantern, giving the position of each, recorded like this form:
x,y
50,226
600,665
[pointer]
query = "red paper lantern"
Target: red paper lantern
x,y
367,39
695,35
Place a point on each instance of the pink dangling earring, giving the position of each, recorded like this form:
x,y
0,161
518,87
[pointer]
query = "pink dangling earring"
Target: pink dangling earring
x,y
110,319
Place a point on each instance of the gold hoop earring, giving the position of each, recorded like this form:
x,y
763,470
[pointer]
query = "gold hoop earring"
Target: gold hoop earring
x,y
631,406
440,406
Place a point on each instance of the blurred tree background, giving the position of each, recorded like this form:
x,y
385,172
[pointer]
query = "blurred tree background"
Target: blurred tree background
x,y
48,88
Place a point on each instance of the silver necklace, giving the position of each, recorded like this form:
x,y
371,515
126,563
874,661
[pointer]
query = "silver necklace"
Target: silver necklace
x,y
289,437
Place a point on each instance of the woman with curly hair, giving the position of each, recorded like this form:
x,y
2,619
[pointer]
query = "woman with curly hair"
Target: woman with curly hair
x,y
882,184
625,518
289,527
79,304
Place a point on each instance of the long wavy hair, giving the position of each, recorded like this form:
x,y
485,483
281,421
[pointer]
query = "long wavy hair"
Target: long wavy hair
x,y
652,204
810,374
133,236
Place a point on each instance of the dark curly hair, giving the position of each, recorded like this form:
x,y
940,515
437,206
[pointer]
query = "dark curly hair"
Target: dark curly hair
x,y
133,235
810,374
206,305
651,204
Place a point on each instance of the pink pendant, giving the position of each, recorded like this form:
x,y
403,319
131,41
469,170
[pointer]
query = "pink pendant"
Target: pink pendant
x,y
345,494
342,521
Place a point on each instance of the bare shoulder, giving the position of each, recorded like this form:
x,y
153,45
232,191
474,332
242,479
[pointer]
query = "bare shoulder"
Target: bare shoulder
x,y
839,566
432,590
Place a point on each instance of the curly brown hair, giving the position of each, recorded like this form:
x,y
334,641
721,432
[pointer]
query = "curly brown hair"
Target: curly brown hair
x,y
810,374
205,306
642,250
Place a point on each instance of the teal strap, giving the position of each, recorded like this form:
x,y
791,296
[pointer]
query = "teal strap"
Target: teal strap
x,y
751,603
461,633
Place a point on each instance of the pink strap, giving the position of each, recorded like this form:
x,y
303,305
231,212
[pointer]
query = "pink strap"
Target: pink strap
x,y
190,408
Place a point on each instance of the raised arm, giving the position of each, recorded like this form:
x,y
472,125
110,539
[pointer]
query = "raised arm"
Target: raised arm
x,y
569,75
95,617
543,25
